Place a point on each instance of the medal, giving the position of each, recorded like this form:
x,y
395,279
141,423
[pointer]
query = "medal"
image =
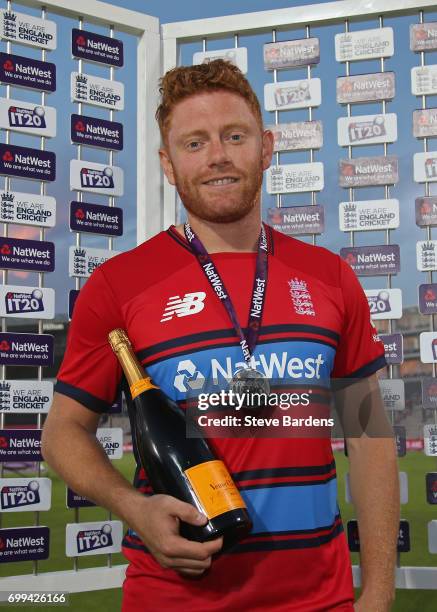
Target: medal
x,y
247,379
250,381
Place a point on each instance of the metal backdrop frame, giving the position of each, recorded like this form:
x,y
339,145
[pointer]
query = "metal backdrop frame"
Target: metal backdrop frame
x,y
151,189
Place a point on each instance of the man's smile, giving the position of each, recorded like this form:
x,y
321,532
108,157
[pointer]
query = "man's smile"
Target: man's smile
x,y
220,182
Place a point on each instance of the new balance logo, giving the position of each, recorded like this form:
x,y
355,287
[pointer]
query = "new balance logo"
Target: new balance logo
x,y
190,304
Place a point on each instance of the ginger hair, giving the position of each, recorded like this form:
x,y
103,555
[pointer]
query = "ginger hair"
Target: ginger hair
x,y
185,81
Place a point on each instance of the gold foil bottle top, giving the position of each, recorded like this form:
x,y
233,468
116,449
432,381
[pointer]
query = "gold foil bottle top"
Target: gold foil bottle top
x,y
118,339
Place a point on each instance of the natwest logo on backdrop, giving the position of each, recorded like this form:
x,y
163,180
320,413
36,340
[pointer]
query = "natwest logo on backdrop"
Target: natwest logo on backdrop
x,y
425,122
297,220
32,255
23,71
426,211
291,53
366,87
96,132
394,348
26,349
20,445
431,490
403,543
368,171
96,219
73,294
423,36
24,544
373,260
429,393
74,500
428,298
27,30
25,162
96,48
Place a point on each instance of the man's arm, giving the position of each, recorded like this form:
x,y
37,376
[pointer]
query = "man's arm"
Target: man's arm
x,y
70,447
374,485
375,494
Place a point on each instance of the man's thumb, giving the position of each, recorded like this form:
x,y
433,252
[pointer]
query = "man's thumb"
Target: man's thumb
x,y
189,513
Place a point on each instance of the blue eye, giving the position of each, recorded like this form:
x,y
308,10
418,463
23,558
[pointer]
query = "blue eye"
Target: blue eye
x,y
193,145
236,137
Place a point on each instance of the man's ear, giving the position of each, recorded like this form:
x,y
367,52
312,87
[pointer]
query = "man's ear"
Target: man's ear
x,y
267,148
166,165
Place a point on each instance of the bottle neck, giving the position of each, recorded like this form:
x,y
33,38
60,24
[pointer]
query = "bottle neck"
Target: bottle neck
x,y
132,368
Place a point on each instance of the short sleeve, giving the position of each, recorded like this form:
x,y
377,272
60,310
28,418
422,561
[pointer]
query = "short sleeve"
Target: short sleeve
x,y
90,372
360,352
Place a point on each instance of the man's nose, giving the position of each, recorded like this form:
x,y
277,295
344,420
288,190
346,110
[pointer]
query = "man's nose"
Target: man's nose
x,y
218,154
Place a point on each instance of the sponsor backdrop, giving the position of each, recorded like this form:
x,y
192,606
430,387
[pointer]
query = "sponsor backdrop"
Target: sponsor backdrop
x,y
368,172
365,177
96,96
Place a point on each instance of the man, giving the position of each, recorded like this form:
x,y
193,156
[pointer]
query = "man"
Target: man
x,y
215,151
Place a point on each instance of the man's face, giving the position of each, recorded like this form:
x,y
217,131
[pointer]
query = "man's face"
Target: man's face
x,y
215,155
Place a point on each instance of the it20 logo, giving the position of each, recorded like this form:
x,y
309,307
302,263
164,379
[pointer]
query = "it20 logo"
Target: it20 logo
x,y
27,117
18,496
97,178
94,539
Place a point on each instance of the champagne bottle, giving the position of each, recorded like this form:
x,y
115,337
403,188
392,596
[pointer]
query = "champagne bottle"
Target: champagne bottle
x,y
185,468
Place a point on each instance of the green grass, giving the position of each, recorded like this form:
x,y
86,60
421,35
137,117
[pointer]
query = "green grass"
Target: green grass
x,y
417,511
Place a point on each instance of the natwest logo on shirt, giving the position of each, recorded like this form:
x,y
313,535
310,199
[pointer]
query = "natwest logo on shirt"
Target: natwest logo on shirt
x,y
190,304
280,365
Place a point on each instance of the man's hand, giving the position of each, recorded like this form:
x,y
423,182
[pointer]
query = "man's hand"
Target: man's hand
x,y
156,521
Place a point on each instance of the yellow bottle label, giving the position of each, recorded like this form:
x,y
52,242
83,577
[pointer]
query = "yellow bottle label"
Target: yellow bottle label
x,y
142,385
214,488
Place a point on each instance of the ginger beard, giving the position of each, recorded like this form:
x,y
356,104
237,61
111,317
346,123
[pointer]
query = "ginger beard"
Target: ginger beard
x,y
233,204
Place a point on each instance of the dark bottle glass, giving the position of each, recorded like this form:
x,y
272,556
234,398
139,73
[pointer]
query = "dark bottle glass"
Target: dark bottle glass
x,y
185,468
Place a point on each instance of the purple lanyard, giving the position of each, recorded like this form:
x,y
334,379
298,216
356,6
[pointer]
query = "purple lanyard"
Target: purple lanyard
x,y
248,341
